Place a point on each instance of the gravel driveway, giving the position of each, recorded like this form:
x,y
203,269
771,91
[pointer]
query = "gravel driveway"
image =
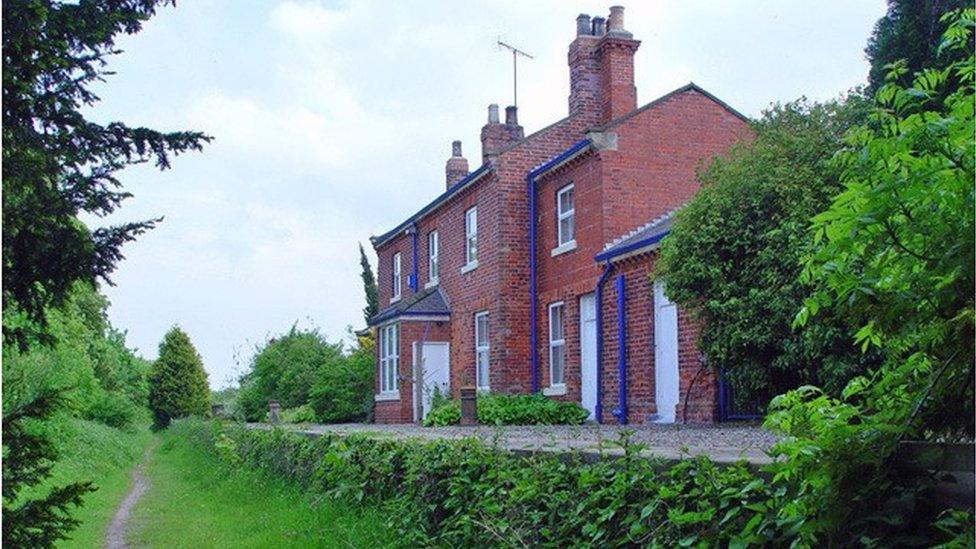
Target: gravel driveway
x,y
723,443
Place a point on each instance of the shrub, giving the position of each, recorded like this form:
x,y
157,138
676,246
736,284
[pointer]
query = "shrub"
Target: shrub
x,y
178,384
534,409
301,414
463,493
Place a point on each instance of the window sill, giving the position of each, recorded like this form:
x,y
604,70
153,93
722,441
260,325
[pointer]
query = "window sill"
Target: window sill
x,y
567,247
469,267
554,390
394,299
385,397
431,284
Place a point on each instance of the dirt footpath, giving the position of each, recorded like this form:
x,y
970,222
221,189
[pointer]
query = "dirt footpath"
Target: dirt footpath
x,y
120,527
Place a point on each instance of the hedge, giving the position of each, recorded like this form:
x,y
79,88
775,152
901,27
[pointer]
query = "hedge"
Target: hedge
x,y
494,409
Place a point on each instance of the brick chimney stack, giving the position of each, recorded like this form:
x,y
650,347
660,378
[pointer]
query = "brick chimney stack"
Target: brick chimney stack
x,y
495,136
601,68
457,165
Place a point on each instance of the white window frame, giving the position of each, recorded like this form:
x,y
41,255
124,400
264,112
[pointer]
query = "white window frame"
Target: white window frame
x,y
397,276
470,239
389,361
482,349
564,242
433,251
557,343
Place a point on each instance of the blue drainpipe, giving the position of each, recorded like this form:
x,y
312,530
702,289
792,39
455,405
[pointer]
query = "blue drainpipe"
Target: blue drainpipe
x,y
530,191
414,282
621,410
607,269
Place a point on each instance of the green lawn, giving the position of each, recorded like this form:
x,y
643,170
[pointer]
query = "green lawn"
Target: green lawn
x,y
92,451
194,500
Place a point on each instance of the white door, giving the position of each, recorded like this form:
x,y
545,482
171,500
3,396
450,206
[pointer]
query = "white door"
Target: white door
x,y
587,307
436,373
665,355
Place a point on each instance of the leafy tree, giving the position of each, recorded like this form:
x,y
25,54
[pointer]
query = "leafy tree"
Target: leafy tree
x,y
911,30
369,286
734,253
178,384
56,163
895,253
343,391
28,456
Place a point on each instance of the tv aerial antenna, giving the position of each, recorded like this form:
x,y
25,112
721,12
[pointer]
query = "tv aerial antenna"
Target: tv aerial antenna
x,y
515,55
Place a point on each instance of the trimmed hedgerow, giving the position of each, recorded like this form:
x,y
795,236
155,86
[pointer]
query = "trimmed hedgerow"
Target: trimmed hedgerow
x,y
493,409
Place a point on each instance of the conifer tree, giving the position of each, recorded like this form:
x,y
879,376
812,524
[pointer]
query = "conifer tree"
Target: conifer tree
x,y
369,286
177,384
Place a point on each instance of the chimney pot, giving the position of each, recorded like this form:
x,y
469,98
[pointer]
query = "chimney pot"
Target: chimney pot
x,y
456,149
599,26
616,18
456,168
493,114
582,24
511,116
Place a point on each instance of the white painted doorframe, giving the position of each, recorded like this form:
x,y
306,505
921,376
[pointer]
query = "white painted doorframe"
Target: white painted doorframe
x,y
436,371
587,331
666,380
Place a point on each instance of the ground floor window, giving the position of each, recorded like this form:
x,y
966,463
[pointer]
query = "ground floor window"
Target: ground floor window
x,y
389,358
481,349
557,344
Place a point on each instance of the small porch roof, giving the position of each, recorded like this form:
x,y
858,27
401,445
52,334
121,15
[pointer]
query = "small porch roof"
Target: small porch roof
x,y
428,303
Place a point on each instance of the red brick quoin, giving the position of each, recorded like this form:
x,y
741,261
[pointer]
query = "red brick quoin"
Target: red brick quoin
x,y
629,167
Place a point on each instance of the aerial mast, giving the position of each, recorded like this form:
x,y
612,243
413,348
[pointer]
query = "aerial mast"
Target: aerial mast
x,y
515,55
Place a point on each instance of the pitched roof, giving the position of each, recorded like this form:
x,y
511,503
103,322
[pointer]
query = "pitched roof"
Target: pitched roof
x,y
639,239
690,86
430,302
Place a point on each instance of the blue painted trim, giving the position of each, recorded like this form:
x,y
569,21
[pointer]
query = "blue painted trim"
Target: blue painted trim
x,y
621,411
451,191
616,252
533,312
725,408
598,297
414,275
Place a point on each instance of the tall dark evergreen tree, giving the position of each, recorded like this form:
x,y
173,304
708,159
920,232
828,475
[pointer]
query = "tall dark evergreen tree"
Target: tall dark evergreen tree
x,y
369,286
56,163
910,30
177,383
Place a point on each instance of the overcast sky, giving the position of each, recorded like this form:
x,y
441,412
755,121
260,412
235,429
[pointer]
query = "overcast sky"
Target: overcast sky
x,y
332,122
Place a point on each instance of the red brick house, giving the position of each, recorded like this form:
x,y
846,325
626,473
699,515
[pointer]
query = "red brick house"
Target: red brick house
x,y
530,273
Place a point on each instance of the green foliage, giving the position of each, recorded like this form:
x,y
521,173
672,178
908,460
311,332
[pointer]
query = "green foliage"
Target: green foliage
x,y
496,409
28,456
895,253
302,367
301,414
734,253
56,163
177,384
369,287
463,493
911,30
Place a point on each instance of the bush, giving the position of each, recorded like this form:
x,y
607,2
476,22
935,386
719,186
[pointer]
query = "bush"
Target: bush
x,y
463,493
178,384
301,414
303,367
534,409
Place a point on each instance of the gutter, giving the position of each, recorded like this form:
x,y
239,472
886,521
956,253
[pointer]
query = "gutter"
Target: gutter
x,y
630,249
621,410
607,269
530,178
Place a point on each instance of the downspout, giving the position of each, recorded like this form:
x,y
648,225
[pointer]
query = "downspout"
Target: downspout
x,y
414,276
533,341
607,269
621,410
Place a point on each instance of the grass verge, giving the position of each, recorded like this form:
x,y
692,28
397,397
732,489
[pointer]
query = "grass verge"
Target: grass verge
x,y
104,455
196,500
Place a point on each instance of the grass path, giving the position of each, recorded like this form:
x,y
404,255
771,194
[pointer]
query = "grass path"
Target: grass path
x,y
195,500
119,528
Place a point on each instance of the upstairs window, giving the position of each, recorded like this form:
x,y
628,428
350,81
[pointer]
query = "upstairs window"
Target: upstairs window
x,y
481,349
566,214
471,236
396,276
557,345
433,270
389,358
